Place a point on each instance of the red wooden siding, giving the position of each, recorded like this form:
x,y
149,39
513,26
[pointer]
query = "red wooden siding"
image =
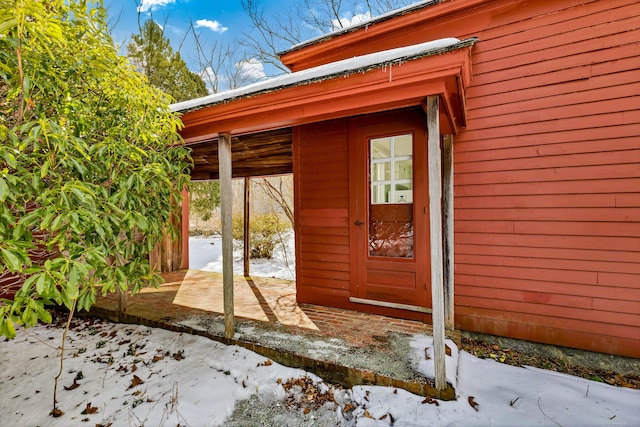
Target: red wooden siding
x,y
321,153
547,172
324,260
547,192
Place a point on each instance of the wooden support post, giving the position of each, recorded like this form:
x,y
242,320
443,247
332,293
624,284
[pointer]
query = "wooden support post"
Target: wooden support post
x,y
447,225
184,263
247,231
123,301
435,226
225,168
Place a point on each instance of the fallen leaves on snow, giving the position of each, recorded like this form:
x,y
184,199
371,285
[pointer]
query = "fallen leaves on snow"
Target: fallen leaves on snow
x,y
303,393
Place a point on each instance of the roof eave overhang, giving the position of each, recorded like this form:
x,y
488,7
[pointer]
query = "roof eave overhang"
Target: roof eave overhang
x,y
379,89
296,58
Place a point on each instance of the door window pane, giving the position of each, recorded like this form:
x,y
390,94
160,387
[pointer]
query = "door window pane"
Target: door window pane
x,y
380,148
391,200
381,171
403,145
403,170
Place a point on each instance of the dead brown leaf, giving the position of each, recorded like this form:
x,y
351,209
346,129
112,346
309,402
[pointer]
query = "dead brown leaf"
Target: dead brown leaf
x,y
473,403
89,409
73,386
136,381
56,413
179,355
267,362
431,401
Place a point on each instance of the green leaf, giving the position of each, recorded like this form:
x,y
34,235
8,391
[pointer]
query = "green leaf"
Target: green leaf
x,y
86,299
6,23
26,85
19,232
8,330
4,190
82,198
11,260
29,317
70,290
142,222
44,169
10,159
74,277
44,315
40,283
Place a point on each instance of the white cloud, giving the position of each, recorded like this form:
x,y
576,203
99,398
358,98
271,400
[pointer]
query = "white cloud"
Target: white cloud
x,y
350,20
151,5
214,26
251,69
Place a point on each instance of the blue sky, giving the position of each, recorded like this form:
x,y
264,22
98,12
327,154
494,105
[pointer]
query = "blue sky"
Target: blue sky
x,y
222,19
216,22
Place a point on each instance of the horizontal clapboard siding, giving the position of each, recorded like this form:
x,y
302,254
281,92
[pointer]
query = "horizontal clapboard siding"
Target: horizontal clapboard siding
x,y
322,228
547,179
547,169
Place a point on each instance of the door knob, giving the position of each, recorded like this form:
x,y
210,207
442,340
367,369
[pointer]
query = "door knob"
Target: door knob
x,y
358,223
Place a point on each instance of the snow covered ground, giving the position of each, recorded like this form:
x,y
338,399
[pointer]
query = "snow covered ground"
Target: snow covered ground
x,y
128,375
205,253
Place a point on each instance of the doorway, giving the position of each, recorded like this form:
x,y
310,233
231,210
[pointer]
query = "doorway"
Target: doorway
x,y
389,210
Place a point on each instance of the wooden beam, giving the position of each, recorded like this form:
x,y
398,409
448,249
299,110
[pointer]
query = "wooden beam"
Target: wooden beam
x,y
435,226
447,225
247,231
184,231
224,162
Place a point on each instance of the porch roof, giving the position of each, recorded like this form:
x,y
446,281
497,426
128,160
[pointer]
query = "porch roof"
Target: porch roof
x,y
259,116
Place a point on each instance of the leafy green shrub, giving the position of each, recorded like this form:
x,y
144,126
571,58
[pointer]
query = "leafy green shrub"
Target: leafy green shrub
x,y
91,163
204,197
265,234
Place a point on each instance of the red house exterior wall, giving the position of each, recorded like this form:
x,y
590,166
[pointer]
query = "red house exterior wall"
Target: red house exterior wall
x,y
321,169
547,171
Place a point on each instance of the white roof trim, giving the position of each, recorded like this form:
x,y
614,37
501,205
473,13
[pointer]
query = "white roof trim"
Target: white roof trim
x,y
327,71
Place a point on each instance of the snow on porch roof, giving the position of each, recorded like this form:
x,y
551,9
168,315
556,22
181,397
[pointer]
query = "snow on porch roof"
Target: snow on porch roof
x,y
344,67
